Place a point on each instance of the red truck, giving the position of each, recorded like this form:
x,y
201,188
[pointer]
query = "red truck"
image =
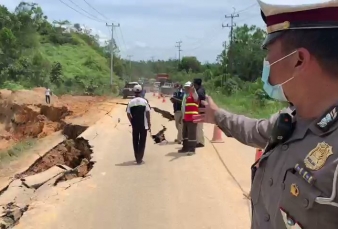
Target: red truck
x,y
162,78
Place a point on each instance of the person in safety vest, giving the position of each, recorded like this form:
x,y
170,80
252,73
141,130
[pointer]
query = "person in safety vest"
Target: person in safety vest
x,y
189,109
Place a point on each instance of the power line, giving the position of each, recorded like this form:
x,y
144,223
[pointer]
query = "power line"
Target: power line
x,y
124,44
96,10
86,11
78,11
247,8
208,41
129,57
112,51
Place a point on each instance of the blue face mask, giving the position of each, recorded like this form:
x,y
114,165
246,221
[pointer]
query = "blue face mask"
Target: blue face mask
x,y
274,91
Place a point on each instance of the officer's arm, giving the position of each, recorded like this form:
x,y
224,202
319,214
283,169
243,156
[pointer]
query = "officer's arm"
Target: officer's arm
x,y
249,131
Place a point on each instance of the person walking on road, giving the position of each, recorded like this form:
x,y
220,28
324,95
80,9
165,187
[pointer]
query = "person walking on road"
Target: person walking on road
x,y
189,108
48,94
201,97
177,103
294,183
138,112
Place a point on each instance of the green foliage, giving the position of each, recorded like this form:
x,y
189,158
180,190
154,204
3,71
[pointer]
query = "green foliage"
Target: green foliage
x,y
234,81
190,64
66,57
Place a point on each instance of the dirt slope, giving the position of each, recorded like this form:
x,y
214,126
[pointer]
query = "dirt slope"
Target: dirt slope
x,y
24,114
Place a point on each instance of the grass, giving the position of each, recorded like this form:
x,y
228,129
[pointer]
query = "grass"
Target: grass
x,y
80,60
16,150
77,60
242,103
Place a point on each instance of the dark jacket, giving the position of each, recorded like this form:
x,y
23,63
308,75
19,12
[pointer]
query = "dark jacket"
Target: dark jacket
x,y
201,96
178,104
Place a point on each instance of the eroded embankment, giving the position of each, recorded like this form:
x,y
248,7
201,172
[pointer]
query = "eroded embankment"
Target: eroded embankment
x,y
21,121
67,160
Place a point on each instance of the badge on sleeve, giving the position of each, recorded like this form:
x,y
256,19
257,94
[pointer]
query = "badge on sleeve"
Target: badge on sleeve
x,y
328,120
317,157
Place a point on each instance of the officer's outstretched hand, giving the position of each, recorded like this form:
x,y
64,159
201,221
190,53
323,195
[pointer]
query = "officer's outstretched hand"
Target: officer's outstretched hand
x,y
210,109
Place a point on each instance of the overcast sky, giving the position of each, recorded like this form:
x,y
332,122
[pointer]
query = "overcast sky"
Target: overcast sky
x,y
150,28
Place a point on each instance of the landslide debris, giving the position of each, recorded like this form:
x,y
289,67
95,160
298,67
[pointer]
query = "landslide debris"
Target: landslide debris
x,y
23,115
75,153
67,160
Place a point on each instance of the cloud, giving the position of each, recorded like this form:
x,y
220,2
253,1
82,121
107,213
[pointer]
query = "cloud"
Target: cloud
x,y
152,27
140,44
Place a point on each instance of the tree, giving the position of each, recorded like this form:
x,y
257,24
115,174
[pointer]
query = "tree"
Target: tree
x,y
190,63
77,27
247,55
56,73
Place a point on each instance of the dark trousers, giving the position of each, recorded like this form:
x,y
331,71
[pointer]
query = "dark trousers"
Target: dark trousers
x,y
139,142
47,99
189,130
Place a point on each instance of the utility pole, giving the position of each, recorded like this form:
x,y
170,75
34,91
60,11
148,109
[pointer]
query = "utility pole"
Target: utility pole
x,y
112,43
179,52
224,63
129,57
231,26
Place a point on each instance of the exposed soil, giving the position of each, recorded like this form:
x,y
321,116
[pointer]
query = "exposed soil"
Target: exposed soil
x,y
72,155
24,114
73,152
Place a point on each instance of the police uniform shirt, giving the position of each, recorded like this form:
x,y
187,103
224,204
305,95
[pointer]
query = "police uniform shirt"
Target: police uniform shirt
x,y
138,107
294,186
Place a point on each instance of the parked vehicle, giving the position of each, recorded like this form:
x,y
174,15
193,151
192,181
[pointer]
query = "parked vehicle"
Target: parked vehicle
x,y
128,89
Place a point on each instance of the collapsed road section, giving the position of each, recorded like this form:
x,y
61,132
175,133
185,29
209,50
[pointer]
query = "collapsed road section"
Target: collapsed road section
x,y
68,160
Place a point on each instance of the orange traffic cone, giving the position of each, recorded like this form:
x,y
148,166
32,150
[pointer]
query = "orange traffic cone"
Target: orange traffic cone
x,y
259,153
217,136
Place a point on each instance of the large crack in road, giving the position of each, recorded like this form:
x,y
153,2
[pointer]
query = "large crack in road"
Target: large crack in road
x,y
69,159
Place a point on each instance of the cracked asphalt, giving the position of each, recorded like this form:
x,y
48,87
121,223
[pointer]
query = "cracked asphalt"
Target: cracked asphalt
x,y
169,191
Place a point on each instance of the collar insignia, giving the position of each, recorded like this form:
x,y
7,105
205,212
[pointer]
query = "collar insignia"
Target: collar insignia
x,y
328,120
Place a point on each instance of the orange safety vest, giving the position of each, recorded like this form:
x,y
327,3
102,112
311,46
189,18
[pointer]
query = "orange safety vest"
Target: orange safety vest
x,y
191,108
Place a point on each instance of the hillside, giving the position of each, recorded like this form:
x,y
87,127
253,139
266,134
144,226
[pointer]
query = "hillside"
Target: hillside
x,y
60,55
82,66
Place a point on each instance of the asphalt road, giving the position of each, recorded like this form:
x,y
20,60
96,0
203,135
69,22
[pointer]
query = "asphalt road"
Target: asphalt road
x,y
170,191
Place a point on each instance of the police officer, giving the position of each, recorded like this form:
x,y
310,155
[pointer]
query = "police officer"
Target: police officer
x,y
176,99
138,112
295,183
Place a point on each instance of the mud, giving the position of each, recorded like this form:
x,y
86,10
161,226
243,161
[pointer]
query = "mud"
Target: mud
x,y
72,152
73,156
24,114
22,121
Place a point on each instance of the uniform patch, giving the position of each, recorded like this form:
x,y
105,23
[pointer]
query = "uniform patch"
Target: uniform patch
x,y
294,190
317,157
328,119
